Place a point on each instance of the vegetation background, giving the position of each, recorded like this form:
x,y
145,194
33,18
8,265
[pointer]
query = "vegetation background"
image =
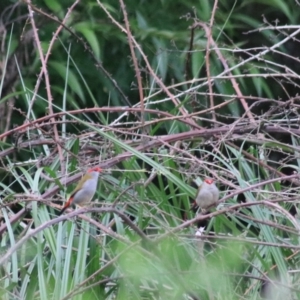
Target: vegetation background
x,y
161,94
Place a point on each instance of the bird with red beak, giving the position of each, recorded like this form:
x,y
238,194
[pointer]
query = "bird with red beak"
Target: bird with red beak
x,y
207,194
85,189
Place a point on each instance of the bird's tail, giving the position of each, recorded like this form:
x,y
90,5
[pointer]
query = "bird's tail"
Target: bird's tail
x,y
194,205
66,206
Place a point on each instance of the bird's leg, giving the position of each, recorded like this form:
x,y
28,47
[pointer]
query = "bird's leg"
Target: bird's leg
x,y
203,211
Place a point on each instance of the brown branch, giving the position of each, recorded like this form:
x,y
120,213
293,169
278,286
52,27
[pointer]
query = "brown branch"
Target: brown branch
x,y
98,64
213,236
227,70
188,69
23,127
207,62
47,82
185,119
177,104
225,210
78,212
268,223
135,62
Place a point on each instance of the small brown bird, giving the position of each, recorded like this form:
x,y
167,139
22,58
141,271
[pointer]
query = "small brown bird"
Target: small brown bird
x,y
207,194
85,190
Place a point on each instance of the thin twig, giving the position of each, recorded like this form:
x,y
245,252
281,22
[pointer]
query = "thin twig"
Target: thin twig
x,y
135,62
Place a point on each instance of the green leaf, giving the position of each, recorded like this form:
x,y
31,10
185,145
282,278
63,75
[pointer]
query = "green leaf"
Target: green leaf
x,y
85,29
73,82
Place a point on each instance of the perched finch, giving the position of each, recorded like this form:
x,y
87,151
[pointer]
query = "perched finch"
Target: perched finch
x,y
207,194
85,189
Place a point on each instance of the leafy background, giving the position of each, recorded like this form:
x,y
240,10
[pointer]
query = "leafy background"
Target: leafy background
x,y
189,90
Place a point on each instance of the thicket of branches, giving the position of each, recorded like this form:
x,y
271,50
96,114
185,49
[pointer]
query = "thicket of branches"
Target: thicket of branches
x,y
160,94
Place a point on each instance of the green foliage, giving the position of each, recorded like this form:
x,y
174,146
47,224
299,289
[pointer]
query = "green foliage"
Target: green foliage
x,y
141,240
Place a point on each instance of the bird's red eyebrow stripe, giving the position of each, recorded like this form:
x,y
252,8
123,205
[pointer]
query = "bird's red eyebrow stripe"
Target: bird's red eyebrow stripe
x,y
209,181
